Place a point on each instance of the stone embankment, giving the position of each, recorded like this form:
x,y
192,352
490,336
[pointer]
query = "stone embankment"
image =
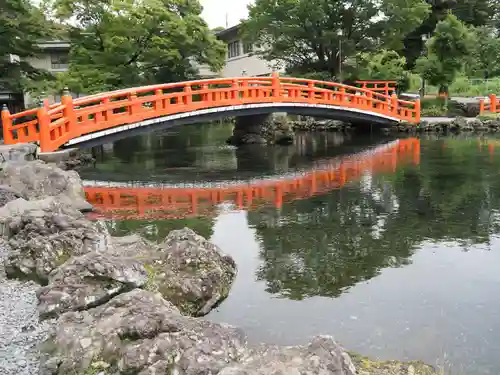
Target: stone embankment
x,y
457,124
75,300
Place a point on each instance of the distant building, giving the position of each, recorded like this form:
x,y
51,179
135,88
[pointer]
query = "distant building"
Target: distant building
x,y
240,58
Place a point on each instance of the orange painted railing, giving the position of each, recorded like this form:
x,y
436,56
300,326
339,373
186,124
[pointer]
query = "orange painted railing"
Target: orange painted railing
x,y
387,87
53,126
493,106
173,203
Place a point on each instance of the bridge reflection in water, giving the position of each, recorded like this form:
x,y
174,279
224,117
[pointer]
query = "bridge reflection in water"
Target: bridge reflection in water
x,y
127,201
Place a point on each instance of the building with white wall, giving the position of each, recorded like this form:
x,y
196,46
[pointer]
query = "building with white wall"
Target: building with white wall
x,y
241,59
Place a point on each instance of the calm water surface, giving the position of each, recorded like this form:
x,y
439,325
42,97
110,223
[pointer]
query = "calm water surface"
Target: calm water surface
x,y
398,263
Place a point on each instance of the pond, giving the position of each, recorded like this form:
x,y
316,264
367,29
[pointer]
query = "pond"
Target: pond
x,y
398,261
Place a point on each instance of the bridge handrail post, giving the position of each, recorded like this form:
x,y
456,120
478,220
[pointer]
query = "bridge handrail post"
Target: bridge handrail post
x,y
188,97
481,106
69,111
106,112
7,126
369,100
417,110
394,104
310,94
276,85
44,126
493,103
235,92
244,88
158,103
133,108
341,94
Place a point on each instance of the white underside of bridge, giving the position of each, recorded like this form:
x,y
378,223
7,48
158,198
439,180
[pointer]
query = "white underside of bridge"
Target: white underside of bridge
x,y
208,111
321,165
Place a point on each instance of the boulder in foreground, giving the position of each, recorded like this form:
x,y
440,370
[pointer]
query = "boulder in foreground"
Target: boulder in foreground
x,y
139,333
186,269
44,234
88,281
321,356
38,180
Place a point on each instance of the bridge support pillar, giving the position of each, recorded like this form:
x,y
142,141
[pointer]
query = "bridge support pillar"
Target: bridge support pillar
x,y
262,129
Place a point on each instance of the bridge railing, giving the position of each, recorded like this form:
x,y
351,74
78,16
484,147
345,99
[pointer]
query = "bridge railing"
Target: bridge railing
x,y
491,106
53,126
387,87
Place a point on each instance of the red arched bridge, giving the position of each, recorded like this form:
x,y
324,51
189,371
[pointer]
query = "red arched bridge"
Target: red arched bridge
x,y
126,201
83,120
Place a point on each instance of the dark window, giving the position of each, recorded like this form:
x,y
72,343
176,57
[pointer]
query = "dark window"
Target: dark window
x,y
233,49
247,47
59,60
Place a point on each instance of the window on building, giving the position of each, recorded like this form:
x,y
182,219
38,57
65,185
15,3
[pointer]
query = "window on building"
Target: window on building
x,y
247,47
59,60
233,49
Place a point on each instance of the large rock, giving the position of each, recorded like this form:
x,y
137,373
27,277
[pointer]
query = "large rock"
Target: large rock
x,y
321,356
186,269
139,333
262,129
191,272
38,180
21,152
89,281
44,234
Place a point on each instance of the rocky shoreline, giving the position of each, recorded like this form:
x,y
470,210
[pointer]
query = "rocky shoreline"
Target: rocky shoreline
x,y
456,124
76,301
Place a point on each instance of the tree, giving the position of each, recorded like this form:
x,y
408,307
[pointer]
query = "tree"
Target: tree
x,y
305,36
485,57
446,52
22,26
471,12
126,43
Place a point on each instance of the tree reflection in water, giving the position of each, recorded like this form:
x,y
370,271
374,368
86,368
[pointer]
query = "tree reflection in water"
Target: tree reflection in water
x,y
326,244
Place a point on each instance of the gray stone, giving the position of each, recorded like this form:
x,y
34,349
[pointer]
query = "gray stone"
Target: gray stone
x,y
492,124
19,152
43,234
191,272
460,123
322,356
139,333
475,124
88,281
38,180
262,129
7,194
186,269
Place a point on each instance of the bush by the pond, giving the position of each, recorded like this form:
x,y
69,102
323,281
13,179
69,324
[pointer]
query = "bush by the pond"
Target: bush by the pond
x,y
433,107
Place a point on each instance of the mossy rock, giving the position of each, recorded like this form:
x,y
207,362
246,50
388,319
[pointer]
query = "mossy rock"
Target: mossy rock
x,y
366,366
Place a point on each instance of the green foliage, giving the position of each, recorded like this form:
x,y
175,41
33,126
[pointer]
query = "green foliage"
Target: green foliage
x,y
128,43
470,12
21,26
307,35
484,59
448,47
379,65
435,107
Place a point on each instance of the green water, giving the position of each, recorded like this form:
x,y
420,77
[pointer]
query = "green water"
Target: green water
x,y
395,265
